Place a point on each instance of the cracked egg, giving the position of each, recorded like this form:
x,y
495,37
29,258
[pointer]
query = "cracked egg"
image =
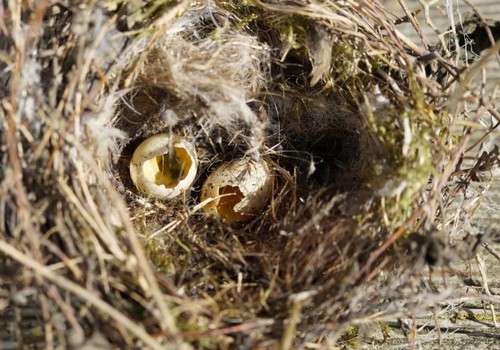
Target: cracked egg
x,y
164,165
238,190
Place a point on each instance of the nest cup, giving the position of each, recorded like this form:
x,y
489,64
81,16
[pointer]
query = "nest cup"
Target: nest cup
x,y
319,138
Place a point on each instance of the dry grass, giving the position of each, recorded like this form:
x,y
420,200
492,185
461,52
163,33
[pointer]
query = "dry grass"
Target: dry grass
x,y
366,132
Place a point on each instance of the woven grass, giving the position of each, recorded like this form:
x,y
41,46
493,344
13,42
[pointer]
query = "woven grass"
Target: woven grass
x,y
365,130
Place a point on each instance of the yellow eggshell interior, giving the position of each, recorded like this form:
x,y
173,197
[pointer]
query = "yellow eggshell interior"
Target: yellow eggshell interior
x,y
231,196
168,169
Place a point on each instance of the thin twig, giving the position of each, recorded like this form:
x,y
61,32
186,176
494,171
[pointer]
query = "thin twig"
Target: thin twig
x,y
74,288
491,250
484,277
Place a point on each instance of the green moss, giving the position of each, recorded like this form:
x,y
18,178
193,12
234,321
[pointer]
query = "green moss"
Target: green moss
x,y
464,315
168,258
156,8
350,337
402,146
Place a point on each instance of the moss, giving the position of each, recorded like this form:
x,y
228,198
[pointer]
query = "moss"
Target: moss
x,y
169,259
155,9
485,316
350,337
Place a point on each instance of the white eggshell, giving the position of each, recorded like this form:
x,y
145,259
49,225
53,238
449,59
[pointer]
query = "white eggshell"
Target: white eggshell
x,y
238,190
164,165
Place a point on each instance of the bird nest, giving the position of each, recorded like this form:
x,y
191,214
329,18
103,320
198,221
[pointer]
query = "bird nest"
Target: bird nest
x,y
362,131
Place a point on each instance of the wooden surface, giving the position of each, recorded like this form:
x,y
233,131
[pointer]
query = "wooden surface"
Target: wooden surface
x,y
458,323
440,15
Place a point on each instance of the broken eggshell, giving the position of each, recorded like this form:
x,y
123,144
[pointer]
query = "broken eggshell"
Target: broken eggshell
x,y
164,165
238,190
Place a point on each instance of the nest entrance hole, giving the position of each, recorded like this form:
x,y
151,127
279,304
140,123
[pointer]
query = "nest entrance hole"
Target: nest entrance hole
x,y
336,154
331,159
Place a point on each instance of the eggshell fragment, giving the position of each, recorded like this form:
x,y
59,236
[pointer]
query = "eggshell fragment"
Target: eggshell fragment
x,y
238,190
164,165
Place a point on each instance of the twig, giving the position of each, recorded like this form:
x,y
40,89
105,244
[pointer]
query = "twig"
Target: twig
x,y
486,27
393,238
48,327
240,328
291,326
414,23
484,277
472,73
491,250
67,310
166,318
74,288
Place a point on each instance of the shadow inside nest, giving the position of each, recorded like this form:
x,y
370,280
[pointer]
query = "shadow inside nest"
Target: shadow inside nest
x,y
318,153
